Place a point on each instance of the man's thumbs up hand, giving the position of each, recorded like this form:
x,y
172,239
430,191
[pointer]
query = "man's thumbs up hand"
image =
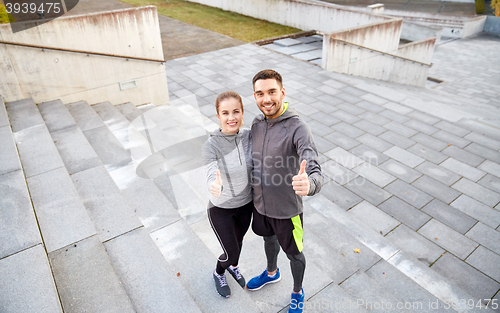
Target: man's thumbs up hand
x,y
300,181
216,186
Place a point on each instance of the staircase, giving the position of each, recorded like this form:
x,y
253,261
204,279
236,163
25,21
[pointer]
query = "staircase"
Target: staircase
x,y
104,210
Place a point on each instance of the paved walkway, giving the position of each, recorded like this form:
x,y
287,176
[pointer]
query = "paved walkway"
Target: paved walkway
x,y
470,71
405,161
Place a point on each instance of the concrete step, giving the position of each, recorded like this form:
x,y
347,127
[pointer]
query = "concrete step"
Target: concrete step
x,y
85,279
85,117
56,115
19,229
61,215
8,153
192,116
112,154
27,284
36,148
275,297
110,212
342,243
130,138
396,283
37,151
120,127
130,112
111,116
4,119
74,148
179,153
23,114
115,215
178,243
371,296
151,284
333,299
152,207
420,273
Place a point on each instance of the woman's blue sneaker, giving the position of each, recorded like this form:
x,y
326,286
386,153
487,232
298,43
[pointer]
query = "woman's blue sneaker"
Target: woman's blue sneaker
x,y
297,302
263,279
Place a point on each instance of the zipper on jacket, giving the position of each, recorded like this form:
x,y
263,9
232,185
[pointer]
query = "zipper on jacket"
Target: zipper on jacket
x,y
264,152
238,148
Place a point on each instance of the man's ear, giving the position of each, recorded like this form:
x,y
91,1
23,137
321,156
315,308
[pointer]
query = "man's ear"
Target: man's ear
x,y
283,91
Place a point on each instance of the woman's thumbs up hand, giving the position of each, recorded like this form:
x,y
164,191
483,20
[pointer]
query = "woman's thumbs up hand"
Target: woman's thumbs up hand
x,y
300,182
216,186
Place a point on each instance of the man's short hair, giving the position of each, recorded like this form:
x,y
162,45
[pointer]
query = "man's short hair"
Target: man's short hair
x,y
268,74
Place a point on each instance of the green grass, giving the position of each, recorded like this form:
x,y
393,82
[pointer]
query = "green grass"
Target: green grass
x,y
231,24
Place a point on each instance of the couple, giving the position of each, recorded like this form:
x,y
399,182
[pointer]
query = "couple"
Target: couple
x,y
268,183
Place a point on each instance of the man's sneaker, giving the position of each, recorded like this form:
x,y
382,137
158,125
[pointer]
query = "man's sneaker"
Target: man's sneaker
x,y
297,302
263,279
235,272
221,284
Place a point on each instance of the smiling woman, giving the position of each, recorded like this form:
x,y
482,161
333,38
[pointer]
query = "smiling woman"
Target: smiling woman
x,y
228,23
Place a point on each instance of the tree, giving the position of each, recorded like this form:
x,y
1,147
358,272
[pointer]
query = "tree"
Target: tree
x,y
480,7
495,5
4,16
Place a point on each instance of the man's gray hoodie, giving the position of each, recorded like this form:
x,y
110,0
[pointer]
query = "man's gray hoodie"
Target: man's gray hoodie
x,y
231,154
279,145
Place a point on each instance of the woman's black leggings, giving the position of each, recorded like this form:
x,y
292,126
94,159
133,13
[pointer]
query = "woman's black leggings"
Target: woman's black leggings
x,y
230,225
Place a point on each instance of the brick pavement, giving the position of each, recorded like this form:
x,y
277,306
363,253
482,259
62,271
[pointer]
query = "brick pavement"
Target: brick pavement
x,y
470,70
429,185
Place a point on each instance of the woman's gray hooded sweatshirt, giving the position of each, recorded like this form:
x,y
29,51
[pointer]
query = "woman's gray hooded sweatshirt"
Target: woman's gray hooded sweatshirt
x,y
232,155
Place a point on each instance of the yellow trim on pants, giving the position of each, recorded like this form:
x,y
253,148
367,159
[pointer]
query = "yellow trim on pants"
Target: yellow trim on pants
x,y
297,232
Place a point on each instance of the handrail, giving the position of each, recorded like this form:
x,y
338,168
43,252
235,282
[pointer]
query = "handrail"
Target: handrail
x,y
79,51
292,36
389,54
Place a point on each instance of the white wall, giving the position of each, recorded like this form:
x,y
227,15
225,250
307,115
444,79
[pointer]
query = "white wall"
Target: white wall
x,y
47,74
349,59
383,36
474,25
302,14
420,51
374,33
372,53
452,26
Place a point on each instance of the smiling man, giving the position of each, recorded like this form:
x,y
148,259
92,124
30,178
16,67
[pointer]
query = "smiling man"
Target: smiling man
x,y
286,168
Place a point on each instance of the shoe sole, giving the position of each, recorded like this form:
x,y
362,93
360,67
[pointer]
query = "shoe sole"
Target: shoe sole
x,y
269,282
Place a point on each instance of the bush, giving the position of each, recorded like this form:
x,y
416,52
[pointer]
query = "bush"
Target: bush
x,y
480,7
495,5
4,16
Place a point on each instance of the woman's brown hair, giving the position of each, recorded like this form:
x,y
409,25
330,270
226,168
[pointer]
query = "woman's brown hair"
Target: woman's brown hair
x,y
227,95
